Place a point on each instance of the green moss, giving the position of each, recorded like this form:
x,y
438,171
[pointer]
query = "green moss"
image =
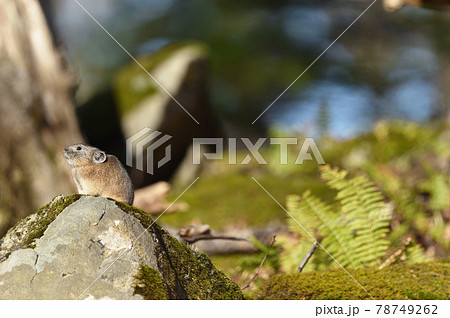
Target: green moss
x,y
417,281
132,84
44,216
235,198
149,284
200,278
145,218
25,233
187,273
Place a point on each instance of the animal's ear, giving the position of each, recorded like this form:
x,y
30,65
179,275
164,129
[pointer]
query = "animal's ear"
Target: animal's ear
x,y
99,157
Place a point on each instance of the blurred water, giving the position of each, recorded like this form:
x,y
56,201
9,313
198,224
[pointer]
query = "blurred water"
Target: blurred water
x,y
344,104
386,66
410,70
348,107
306,26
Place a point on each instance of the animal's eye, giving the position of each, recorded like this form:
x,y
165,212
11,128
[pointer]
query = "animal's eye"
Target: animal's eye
x,y
78,148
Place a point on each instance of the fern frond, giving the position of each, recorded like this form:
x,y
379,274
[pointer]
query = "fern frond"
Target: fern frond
x,y
415,254
320,221
363,206
337,242
298,208
353,231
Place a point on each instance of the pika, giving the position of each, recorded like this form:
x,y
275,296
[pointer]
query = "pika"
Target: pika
x,y
96,173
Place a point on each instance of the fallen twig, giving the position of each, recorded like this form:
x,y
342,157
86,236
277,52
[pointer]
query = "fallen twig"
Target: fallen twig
x,y
307,257
260,265
394,256
193,239
193,233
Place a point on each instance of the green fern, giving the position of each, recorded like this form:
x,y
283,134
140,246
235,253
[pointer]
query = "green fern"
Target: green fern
x,y
414,254
354,229
318,217
421,218
362,203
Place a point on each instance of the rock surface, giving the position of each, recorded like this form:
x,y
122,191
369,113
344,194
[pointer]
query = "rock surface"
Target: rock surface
x,y
82,247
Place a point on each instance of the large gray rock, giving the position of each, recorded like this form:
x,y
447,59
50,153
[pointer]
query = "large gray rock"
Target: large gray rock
x,y
96,248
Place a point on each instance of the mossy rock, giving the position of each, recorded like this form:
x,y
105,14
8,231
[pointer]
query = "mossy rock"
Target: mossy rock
x,y
59,250
184,270
28,230
150,285
415,281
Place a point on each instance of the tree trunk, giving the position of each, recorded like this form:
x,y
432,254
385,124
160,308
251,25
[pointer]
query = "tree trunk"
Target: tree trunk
x,y
37,117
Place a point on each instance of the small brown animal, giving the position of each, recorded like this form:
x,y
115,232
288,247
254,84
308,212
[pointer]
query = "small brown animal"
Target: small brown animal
x,y
96,173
